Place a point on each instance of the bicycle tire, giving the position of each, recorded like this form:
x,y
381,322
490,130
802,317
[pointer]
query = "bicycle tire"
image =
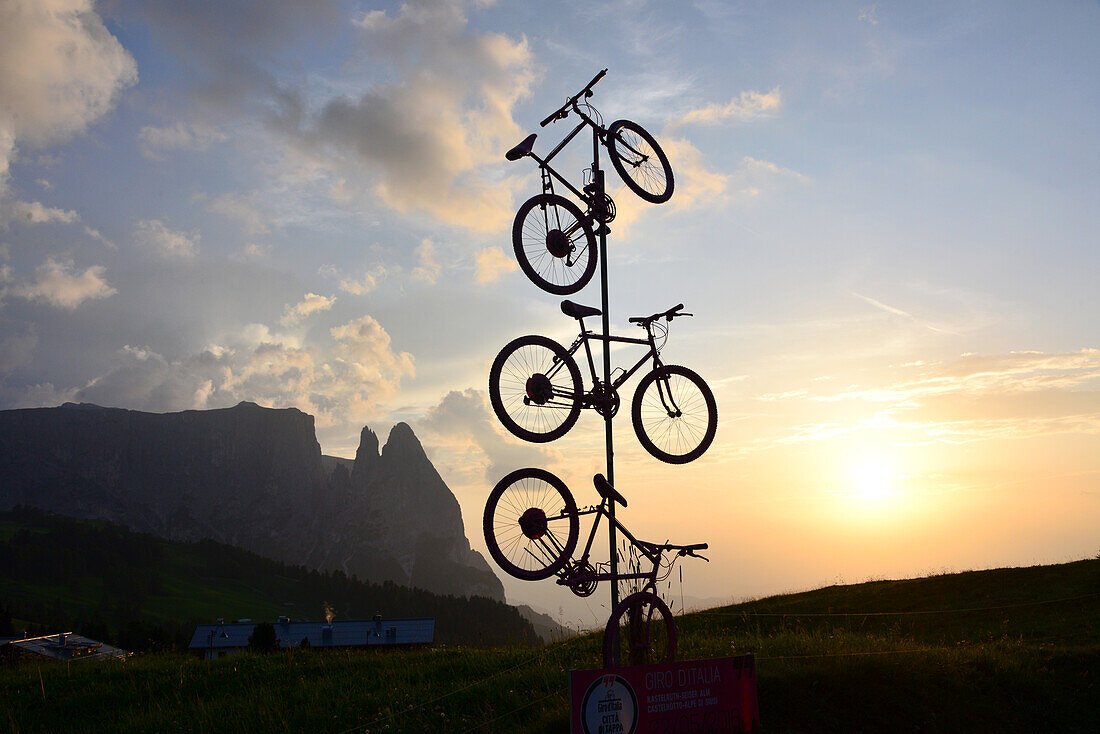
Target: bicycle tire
x,y
640,162
524,367
634,629
524,543
554,244
675,439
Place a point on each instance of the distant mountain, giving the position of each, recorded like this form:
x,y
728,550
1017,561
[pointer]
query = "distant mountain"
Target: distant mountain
x,y
251,477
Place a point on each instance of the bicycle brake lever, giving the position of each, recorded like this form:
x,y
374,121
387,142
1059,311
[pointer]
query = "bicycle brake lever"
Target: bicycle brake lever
x,y
693,554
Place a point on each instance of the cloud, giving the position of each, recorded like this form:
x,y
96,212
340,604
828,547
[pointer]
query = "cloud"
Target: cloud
x,y
341,382
980,375
98,236
229,48
463,421
700,187
155,235
242,209
156,141
33,212
428,268
56,283
696,185
904,314
492,263
310,304
1019,395
16,350
430,140
750,105
752,170
367,283
63,70
363,341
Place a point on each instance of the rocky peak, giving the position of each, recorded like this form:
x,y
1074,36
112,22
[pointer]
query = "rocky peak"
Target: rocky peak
x,y
366,456
402,445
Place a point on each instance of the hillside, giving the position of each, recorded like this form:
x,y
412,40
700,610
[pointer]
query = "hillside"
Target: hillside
x,y
986,651
140,591
251,477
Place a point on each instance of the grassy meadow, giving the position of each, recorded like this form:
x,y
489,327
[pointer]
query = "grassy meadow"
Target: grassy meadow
x,y
1001,650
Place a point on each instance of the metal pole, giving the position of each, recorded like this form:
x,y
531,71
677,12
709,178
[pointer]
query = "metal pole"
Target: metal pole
x,y
598,176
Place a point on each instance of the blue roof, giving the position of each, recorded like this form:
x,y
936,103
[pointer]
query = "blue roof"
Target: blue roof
x,y
341,633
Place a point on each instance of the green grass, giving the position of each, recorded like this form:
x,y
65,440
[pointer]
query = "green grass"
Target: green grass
x,y
998,651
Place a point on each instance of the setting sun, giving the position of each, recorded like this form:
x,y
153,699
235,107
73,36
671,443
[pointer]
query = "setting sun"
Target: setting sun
x,y
873,479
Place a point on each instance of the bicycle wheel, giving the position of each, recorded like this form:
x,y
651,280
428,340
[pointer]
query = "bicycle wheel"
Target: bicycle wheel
x,y
554,244
641,163
531,524
640,631
674,414
535,389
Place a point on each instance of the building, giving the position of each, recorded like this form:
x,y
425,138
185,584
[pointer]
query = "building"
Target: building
x,y
63,646
214,640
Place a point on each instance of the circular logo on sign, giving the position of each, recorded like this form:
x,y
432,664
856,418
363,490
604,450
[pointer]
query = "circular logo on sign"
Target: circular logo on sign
x,y
609,707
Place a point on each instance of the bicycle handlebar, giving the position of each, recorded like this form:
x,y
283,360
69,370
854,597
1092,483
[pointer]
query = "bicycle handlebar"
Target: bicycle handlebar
x,y
563,111
669,315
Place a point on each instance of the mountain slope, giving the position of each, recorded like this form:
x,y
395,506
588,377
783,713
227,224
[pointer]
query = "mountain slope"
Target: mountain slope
x,y
139,590
251,477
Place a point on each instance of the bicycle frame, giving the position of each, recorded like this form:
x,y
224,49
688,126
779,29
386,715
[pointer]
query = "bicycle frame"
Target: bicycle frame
x,y
590,399
652,552
599,134
587,335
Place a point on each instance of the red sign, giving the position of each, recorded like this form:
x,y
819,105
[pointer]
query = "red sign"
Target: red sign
x,y
693,697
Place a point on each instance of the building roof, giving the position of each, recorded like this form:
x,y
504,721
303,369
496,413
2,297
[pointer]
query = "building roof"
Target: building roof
x,y
67,646
343,633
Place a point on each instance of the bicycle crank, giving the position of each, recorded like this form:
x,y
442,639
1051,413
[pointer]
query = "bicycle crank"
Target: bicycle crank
x,y
601,206
581,579
605,401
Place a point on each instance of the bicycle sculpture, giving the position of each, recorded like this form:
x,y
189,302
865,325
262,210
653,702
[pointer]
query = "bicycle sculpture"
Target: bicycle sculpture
x,y
552,237
535,389
531,520
531,529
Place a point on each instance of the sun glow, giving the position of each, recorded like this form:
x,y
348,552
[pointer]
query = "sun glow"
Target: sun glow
x,y
873,480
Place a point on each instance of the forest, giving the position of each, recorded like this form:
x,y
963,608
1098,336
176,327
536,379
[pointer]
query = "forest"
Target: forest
x,y
141,592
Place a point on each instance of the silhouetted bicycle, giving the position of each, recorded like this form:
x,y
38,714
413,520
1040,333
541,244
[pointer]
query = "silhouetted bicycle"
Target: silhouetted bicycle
x,y
536,391
554,240
531,529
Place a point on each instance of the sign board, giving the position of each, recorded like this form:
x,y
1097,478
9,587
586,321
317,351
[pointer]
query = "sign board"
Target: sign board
x,y
716,695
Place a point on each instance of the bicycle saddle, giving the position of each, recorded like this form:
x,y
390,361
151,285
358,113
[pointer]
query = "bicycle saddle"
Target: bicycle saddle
x,y
522,149
606,490
578,311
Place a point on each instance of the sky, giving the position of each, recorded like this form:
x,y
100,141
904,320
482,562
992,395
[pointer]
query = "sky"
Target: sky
x,y
884,225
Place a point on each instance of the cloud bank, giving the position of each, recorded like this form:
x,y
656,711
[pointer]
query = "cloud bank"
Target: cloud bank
x,y
77,73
